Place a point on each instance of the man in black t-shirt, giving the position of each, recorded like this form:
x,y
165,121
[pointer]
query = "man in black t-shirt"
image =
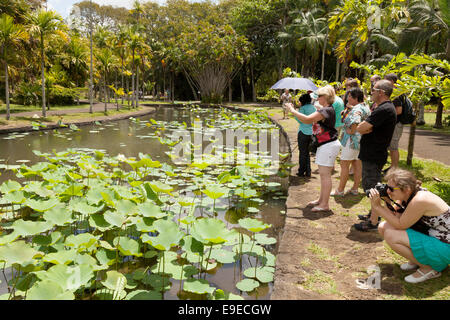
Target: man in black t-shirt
x,y
376,133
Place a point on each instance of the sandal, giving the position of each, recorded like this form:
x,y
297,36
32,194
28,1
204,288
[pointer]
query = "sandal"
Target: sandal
x,y
313,203
319,209
337,193
353,192
423,276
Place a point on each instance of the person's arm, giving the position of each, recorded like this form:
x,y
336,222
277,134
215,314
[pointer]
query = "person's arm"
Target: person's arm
x,y
313,117
414,211
352,129
364,127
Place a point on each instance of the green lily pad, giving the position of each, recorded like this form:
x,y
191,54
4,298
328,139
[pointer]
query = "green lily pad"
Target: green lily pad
x,y
169,235
150,210
29,228
116,282
9,186
264,274
215,191
198,286
127,246
211,231
160,187
264,239
49,240
81,241
18,252
253,225
115,218
245,193
48,290
61,257
41,205
144,295
247,285
223,256
126,207
82,206
219,294
59,215
69,278
98,221
16,197
144,224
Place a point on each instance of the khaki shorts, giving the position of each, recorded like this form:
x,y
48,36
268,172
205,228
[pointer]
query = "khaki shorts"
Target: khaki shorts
x,y
396,136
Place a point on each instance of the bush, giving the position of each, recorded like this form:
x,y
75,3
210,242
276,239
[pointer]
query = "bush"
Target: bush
x,y
271,96
26,93
60,95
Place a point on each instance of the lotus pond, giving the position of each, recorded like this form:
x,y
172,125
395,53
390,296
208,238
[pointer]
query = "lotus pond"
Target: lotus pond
x,y
186,203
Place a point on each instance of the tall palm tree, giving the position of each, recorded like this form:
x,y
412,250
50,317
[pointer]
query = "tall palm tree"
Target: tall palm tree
x,y
135,42
107,60
76,60
10,36
44,24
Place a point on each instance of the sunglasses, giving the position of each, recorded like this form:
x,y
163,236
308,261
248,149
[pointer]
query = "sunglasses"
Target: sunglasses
x,y
392,188
376,89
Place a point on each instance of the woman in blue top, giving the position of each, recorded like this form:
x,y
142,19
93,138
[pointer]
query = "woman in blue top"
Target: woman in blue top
x,y
304,137
355,113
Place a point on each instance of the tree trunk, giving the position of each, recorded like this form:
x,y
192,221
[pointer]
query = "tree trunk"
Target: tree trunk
x,y
43,76
137,87
189,81
448,49
91,76
421,117
242,91
123,86
133,72
338,68
440,109
322,70
230,92
105,97
7,92
412,135
172,91
253,82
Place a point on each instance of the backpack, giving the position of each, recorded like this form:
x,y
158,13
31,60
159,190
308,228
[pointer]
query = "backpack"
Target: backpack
x,y
408,115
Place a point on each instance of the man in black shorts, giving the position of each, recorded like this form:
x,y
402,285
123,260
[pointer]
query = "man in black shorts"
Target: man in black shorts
x,y
376,133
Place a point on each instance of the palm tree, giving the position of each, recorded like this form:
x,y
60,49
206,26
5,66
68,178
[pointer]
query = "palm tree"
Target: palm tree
x,y
76,60
120,40
107,60
44,24
10,36
135,42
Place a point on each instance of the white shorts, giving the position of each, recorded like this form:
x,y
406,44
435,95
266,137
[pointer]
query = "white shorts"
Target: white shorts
x,y
326,154
348,153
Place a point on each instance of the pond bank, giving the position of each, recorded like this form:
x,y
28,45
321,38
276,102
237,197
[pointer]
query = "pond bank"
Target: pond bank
x,y
321,256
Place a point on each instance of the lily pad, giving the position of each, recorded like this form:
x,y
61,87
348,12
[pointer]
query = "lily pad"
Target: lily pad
x,y
41,205
169,235
198,286
150,210
215,191
28,228
247,285
253,225
116,282
127,246
115,218
81,241
144,295
48,290
61,257
219,294
18,252
59,215
211,231
68,277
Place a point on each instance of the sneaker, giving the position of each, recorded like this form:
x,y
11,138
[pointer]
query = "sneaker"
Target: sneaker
x,y
423,276
366,226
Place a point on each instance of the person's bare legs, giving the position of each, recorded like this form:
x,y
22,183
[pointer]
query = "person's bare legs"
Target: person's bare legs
x,y
357,173
345,165
325,187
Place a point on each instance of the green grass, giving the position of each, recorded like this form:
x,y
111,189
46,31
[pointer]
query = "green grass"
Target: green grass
x,y
16,108
430,119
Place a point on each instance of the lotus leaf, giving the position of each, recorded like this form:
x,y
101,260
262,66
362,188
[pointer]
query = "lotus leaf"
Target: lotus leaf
x,y
127,246
263,239
68,277
264,274
115,218
14,197
150,210
108,199
39,189
81,205
211,231
61,257
49,240
126,207
223,256
198,286
219,294
190,244
48,290
9,186
106,257
41,205
82,241
169,235
160,187
74,190
115,281
18,252
29,228
144,295
87,259
245,193
215,191
247,285
253,225
157,281
59,215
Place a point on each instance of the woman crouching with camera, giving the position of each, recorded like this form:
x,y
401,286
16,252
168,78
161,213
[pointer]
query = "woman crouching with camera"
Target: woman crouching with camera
x,y
428,251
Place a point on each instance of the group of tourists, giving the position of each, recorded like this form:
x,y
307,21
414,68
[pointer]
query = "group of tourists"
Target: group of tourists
x,y
416,222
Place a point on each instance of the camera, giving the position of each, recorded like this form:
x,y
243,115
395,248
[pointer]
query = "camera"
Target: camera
x,y
382,189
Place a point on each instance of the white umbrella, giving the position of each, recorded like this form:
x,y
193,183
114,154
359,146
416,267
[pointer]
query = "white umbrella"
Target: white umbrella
x,y
295,84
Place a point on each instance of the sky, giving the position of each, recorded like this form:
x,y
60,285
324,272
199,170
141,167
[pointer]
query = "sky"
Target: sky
x,y
63,7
